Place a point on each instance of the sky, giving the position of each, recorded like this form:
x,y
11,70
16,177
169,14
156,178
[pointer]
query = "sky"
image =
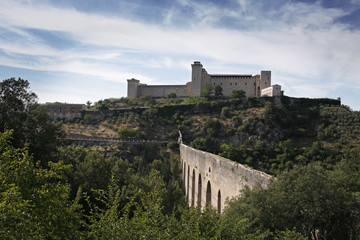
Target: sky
x,y
84,50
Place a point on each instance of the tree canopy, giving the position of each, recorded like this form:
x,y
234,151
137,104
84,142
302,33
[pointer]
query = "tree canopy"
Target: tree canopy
x,y
306,199
207,90
34,202
29,121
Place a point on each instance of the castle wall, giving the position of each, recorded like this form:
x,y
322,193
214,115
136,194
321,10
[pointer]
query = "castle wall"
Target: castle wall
x,y
203,171
252,85
163,90
230,83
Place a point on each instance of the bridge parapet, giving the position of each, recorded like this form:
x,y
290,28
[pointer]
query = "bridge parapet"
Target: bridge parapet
x,y
85,139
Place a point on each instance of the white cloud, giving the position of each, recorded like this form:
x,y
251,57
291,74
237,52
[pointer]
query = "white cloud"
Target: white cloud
x,y
297,38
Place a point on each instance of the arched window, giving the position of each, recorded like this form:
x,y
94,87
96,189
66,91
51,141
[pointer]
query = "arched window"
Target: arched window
x,y
219,202
193,189
199,191
184,175
208,193
187,187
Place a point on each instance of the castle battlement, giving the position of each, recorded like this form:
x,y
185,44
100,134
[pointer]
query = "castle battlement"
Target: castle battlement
x,y
254,85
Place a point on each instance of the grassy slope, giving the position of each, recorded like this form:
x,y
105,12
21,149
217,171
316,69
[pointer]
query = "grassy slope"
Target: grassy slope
x,y
336,128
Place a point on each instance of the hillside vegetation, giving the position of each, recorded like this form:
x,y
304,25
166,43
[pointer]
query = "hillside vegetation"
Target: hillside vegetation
x,y
251,131
51,189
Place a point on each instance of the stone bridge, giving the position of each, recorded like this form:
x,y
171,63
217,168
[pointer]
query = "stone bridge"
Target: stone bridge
x,y
86,139
211,179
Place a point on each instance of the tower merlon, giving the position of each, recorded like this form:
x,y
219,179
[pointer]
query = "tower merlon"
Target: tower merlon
x,y
133,80
197,63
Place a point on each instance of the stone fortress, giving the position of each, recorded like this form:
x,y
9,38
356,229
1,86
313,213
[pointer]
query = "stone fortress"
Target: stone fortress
x,y
68,111
253,85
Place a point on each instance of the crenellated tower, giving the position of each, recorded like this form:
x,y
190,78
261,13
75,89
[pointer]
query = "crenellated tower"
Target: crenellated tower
x,y
133,85
196,78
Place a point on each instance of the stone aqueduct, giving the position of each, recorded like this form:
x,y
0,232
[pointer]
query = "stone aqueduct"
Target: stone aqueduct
x,y
211,179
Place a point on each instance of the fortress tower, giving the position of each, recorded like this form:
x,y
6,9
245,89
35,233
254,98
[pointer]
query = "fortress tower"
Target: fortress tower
x,y
133,85
196,79
265,79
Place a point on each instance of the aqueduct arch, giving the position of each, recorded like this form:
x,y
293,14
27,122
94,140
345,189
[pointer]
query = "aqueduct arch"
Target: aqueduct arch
x,y
215,179
208,193
219,202
193,189
199,191
188,178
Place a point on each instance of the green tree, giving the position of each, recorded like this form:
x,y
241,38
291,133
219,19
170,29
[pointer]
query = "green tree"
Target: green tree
x,y
347,172
34,202
103,105
289,235
87,118
30,121
95,171
305,198
270,116
15,100
148,100
151,114
330,133
43,136
171,95
225,112
126,132
88,104
212,127
207,90
230,151
237,94
141,217
218,90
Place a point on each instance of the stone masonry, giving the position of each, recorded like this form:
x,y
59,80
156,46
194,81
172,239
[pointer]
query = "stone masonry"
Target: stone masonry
x,y
211,179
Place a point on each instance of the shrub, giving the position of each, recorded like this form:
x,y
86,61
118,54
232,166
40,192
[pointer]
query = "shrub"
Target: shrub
x,y
125,132
87,118
236,94
225,112
171,95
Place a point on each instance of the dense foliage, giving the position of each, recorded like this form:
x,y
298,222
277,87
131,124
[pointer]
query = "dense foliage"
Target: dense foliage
x,y
34,202
19,111
308,198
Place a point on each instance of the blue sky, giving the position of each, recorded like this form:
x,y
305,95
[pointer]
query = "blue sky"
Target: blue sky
x,y
75,51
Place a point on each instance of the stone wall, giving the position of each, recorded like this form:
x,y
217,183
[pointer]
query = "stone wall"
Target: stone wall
x,y
67,111
209,178
233,82
164,90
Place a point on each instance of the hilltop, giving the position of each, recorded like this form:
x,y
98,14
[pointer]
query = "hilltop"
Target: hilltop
x,y
253,131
